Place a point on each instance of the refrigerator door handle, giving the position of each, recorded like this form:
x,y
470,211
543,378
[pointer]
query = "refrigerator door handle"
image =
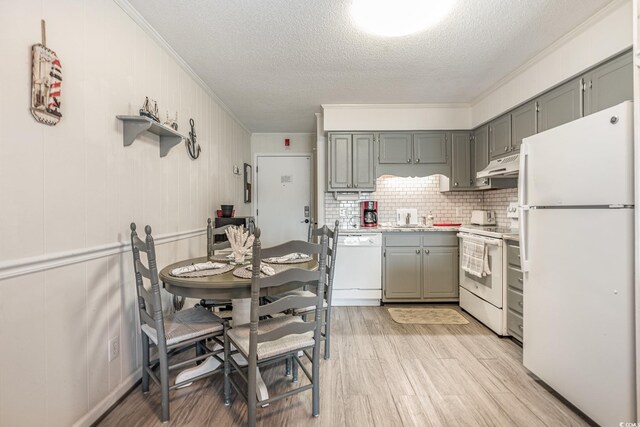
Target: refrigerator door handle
x,y
524,226
523,206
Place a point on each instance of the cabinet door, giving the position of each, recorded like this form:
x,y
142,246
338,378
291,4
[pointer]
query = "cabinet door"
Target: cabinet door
x,y
363,162
395,148
340,161
500,136
609,84
430,147
523,124
461,160
480,153
402,273
440,272
560,106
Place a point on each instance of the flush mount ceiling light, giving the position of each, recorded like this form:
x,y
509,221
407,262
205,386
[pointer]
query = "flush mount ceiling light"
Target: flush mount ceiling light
x,y
395,18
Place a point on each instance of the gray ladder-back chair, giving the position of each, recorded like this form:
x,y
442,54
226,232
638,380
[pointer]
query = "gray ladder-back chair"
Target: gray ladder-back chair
x,y
332,250
264,341
171,333
212,247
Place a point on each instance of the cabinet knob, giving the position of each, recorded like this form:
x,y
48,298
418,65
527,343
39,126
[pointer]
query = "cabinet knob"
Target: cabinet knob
x,y
520,326
417,251
426,251
506,148
520,280
455,184
520,303
355,185
408,160
348,185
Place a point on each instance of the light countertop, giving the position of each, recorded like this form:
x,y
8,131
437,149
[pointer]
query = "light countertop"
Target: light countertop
x,y
398,229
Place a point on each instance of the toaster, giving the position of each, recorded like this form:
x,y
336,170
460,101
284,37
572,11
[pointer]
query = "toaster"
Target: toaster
x,y
483,218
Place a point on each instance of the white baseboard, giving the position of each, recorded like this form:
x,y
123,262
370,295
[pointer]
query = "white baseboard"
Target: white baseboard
x,y
97,411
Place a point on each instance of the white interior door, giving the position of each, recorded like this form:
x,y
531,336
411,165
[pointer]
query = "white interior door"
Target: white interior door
x,y
283,199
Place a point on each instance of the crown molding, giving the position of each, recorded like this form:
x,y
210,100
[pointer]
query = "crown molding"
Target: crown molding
x,y
146,26
396,106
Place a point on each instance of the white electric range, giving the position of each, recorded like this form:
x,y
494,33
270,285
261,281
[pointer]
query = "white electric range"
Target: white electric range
x,y
485,297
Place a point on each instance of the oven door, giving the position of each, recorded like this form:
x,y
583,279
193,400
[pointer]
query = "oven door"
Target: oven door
x,y
489,288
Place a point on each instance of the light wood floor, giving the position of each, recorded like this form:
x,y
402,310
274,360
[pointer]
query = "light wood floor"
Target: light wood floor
x,y
382,374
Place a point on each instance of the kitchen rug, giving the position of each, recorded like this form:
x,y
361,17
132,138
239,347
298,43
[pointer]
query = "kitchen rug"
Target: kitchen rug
x,y
427,316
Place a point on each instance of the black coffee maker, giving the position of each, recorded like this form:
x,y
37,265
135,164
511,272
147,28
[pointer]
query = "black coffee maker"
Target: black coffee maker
x,y
369,213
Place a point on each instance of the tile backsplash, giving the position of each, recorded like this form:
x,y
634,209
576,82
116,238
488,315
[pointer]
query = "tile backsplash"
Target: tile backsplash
x,y
423,194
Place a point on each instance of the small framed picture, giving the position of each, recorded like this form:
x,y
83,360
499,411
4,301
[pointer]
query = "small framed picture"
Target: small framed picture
x,y
248,179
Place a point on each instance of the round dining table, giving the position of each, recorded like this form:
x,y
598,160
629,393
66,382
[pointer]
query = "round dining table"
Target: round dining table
x,y
223,286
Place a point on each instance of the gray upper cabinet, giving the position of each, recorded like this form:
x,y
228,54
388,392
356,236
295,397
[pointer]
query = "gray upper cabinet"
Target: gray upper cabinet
x,y
340,162
561,105
351,162
480,150
363,162
609,84
461,160
396,148
430,147
523,124
500,136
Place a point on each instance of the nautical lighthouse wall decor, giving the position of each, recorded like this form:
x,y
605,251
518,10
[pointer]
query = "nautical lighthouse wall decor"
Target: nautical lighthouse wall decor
x,y
46,82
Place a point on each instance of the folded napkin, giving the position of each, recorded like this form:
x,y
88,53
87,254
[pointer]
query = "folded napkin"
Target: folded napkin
x,y
197,267
289,257
264,268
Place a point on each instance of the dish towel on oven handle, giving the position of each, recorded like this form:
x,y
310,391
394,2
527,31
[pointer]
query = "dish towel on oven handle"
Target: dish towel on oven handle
x,y
475,257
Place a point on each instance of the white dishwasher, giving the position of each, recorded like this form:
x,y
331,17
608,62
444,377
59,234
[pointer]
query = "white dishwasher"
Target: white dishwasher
x,y
357,280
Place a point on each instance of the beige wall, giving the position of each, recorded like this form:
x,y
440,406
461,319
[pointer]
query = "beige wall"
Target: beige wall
x,y
269,143
69,193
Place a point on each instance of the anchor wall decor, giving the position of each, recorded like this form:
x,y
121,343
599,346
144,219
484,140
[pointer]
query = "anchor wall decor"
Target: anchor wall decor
x,y
193,148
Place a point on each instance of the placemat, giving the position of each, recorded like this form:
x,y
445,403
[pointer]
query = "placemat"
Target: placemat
x,y
206,273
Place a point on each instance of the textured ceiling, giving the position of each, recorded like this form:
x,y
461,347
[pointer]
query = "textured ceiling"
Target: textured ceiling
x,y
273,62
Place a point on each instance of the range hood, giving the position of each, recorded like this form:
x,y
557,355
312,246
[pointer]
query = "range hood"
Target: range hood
x,y
505,167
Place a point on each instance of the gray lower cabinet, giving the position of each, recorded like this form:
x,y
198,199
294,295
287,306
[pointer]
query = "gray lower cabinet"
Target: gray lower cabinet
x,y
420,267
523,124
351,164
440,272
515,288
561,105
461,160
396,148
500,136
402,271
609,84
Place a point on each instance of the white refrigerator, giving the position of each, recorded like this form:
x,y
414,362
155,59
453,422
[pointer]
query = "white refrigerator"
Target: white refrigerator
x,y
577,253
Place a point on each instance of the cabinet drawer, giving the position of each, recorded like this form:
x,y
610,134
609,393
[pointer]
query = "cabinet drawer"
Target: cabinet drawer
x,y
439,238
404,239
515,301
514,278
515,325
513,255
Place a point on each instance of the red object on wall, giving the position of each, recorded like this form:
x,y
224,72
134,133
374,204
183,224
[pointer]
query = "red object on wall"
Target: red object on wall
x,y
287,142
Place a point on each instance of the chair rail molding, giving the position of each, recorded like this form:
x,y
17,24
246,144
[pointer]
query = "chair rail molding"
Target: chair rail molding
x,y
23,266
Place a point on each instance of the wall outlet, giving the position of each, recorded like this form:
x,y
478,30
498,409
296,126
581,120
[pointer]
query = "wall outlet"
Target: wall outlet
x,y
114,347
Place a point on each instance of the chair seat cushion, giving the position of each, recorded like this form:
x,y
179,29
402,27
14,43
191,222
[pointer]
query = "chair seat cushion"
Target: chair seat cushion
x,y
240,337
185,325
